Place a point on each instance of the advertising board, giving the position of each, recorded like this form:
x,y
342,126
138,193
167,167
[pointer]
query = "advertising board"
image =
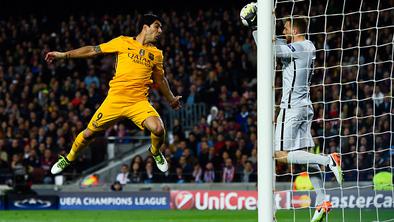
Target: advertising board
x,y
114,200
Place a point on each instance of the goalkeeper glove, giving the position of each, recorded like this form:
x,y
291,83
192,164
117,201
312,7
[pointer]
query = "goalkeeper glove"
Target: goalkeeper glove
x,y
249,15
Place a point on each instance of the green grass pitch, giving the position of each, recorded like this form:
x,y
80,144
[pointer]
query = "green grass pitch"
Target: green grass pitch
x,y
185,216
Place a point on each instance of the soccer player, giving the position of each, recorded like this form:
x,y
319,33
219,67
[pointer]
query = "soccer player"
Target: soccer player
x,y
138,64
293,139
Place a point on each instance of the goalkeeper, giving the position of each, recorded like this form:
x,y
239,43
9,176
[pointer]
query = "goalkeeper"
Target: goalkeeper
x,y
293,137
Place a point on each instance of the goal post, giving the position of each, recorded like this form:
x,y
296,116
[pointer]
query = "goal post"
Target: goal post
x,y
265,70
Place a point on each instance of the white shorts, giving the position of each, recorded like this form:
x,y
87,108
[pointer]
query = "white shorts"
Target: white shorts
x,y
293,129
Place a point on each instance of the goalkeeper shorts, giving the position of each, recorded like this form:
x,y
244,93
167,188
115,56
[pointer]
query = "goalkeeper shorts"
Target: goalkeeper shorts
x,y
293,129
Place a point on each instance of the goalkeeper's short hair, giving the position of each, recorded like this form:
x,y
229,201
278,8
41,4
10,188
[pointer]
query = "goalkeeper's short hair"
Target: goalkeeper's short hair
x,y
298,22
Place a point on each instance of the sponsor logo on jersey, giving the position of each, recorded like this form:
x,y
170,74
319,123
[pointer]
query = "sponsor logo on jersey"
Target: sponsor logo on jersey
x,y
140,59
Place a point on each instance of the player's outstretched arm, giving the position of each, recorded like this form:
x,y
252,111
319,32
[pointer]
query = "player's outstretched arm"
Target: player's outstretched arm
x,y
164,88
83,52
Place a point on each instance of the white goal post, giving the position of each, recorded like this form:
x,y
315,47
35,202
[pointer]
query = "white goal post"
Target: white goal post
x,y
265,68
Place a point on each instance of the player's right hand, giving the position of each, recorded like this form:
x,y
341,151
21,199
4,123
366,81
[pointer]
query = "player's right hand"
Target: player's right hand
x,y
176,102
50,56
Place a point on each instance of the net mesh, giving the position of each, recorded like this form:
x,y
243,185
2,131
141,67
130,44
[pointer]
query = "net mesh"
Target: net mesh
x,y
352,95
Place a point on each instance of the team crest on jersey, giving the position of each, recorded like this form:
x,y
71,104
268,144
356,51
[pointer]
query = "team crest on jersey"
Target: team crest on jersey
x,y
151,56
142,52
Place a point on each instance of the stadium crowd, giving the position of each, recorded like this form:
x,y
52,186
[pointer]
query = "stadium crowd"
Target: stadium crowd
x,y
210,58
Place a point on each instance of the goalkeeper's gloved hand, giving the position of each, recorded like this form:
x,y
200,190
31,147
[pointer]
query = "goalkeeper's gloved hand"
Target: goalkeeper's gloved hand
x,y
249,15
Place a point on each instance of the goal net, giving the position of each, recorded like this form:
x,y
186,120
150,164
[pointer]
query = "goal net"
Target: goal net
x,y
352,97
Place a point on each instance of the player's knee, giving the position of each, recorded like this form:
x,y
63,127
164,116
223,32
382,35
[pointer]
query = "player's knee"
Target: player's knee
x,y
158,130
281,156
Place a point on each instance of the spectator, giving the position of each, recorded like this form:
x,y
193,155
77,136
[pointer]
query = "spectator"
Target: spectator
x,y
253,157
177,129
248,173
228,171
179,150
91,79
203,155
229,148
122,132
116,186
149,176
189,156
3,152
203,125
137,159
187,168
197,173
193,97
242,118
32,159
209,173
123,176
212,115
46,163
219,144
15,148
179,176
192,142
214,158
135,174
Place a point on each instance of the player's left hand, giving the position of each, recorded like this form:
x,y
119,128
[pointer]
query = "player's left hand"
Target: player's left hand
x,y
176,103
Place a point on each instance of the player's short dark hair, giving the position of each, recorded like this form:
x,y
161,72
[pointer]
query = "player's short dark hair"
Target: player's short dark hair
x,y
148,19
298,22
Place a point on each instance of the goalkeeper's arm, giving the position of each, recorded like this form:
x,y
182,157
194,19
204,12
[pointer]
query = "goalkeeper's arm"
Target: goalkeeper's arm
x,y
254,33
293,50
249,17
83,52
